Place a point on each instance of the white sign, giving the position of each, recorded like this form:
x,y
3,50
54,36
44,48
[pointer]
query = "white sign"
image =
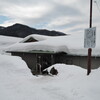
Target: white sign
x,y
90,38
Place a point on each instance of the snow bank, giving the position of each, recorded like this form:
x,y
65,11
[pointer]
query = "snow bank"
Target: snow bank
x,y
71,83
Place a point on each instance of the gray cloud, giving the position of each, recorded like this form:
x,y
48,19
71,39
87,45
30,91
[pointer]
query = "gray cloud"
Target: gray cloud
x,y
57,11
52,14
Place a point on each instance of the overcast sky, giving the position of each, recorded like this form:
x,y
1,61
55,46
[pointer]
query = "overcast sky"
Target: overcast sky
x,y
67,16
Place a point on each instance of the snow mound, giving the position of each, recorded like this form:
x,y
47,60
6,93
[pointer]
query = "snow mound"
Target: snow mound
x,y
71,82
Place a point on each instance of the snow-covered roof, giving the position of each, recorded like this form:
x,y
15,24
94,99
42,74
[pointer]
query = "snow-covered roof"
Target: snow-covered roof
x,y
6,41
71,44
36,37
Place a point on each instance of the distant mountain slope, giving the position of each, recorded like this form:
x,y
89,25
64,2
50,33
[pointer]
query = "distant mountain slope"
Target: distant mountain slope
x,y
19,30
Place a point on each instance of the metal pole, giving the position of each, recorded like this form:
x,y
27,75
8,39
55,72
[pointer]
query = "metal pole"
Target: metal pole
x,y
90,13
89,50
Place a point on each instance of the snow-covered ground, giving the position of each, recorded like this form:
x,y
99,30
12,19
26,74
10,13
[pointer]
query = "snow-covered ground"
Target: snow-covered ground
x,y
71,83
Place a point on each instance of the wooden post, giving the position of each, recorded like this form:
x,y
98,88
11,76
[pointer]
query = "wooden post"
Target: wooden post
x,y
89,61
89,50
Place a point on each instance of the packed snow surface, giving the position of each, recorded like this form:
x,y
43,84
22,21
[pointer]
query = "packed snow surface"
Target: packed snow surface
x,y
71,83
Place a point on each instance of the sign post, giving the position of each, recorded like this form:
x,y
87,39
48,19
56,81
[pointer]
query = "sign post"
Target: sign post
x,y
89,42
89,50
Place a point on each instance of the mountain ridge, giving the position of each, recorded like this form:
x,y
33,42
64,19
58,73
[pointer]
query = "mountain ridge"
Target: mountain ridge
x,y
20,30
